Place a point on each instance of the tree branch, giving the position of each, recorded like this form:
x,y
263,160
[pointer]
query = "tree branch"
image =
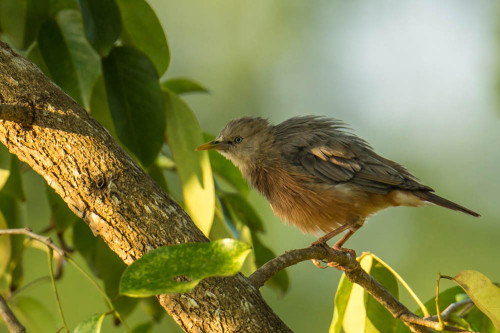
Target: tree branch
x,y
9,318
105,187
354,273
27,232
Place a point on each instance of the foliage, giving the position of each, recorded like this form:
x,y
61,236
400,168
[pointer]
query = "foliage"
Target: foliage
x,y
109,56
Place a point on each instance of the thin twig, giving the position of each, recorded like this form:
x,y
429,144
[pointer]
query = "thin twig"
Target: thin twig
x,y
9,318
28,232
56,294
354,273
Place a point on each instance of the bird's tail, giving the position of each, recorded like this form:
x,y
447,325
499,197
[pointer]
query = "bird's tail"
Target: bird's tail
x,y
440,201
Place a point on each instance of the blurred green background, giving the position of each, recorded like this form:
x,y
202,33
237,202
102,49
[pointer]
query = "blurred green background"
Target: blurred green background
x,y
418,79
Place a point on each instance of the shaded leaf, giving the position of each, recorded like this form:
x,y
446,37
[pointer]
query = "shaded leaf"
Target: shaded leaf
x,y
21,19
13,186
71,61
102,22
226,169
90,325
58,5
479,322
280,281
184,135
135,101
446,297
35,56
153,308
484,294
241,210
142,29
157,174
62,216
33,314
12,212
184,86
5,247
179,268
99,106
143,328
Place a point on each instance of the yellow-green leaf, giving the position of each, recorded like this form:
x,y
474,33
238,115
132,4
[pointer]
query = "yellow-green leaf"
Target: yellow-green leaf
x,y
184,135
91,325
5,246
484,294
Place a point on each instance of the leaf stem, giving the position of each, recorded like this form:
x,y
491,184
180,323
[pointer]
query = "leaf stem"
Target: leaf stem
x,y
56,294
405,285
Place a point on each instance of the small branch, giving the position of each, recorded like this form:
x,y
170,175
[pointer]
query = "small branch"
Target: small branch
x,y
9,318
27,232
354,273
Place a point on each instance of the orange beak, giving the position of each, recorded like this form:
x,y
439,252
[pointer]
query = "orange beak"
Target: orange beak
x,y
207,146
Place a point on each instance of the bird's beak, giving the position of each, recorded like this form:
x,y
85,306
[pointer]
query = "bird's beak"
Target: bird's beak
x,y
208,145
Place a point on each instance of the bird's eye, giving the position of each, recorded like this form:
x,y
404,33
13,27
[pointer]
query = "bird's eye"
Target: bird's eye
x,y
238,139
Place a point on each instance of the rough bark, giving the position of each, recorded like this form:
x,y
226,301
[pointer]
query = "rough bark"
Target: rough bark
x,y
49,131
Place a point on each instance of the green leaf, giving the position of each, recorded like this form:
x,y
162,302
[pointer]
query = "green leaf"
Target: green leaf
x,y
12,212
5,164
446,297
35,56
157,174
279,282
184,135
62,216
99,106
33,314
179,268
102,23
21,19
136,102
484,294
342,297
225,169
5,247
58,5
365,314
241,210
14,186
479,322
90,325
142,29
143,328
184,86
71,61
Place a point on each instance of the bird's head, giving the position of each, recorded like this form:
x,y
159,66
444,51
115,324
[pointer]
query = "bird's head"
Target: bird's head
x,y
242,140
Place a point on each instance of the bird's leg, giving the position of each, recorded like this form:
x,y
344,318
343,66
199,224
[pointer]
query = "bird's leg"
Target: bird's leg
x,y
338,246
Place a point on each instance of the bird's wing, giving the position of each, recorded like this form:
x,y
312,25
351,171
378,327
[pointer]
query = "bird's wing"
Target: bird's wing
x,y
323,149
334,162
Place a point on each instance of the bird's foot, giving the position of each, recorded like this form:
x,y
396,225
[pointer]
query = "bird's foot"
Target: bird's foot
x,y
332,250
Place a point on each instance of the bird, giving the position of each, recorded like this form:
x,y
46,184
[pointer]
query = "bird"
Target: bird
x,y
319,176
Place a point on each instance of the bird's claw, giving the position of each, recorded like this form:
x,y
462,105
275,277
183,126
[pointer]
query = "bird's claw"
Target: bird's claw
x,y
334,264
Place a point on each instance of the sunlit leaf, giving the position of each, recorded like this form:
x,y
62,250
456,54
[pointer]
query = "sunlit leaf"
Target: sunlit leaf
x,y
90,325
184,86
142,29
102,23
71,61
33,314
342,297
179,268
184,135
225,169
365,314
484,294
21,19
135,101
5,246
